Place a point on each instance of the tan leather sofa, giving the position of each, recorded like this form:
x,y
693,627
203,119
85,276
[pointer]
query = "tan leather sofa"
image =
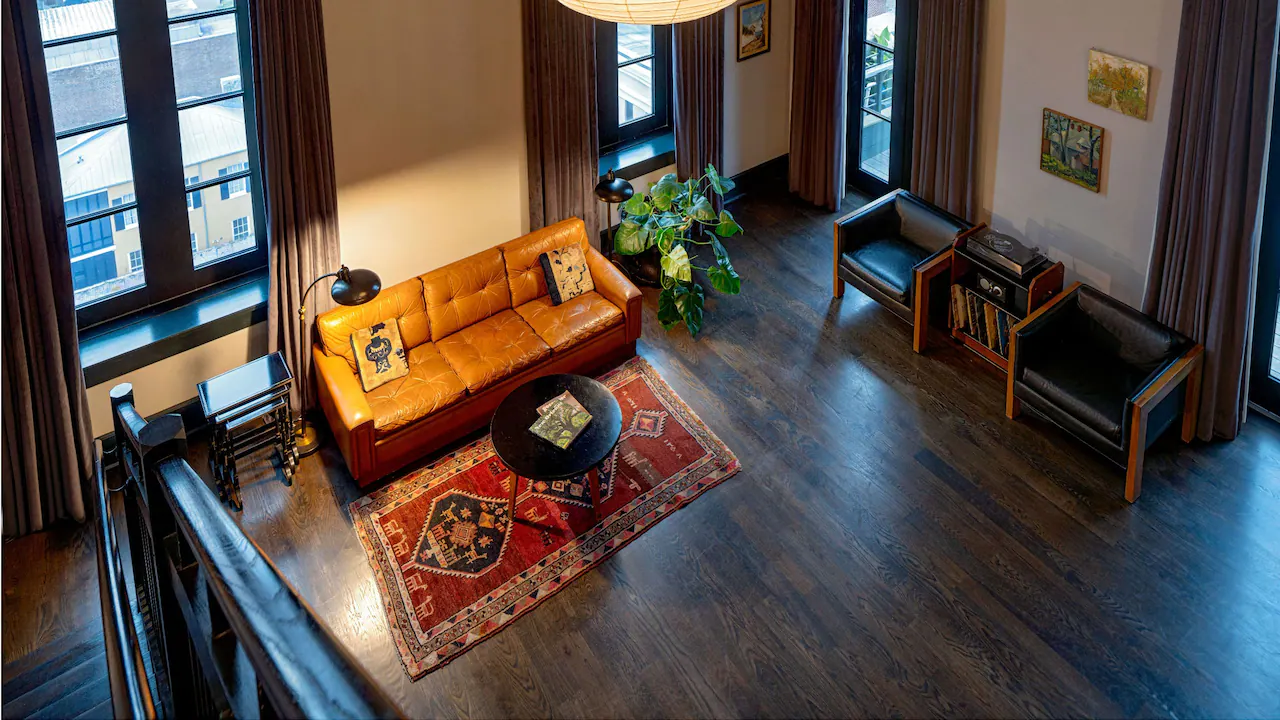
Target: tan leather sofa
x,y
473,331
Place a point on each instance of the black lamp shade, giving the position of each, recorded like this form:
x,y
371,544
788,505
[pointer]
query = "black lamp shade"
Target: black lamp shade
x,y
614,189
355,287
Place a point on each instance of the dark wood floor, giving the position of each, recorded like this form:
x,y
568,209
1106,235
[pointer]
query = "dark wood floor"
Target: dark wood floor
x,y
892,546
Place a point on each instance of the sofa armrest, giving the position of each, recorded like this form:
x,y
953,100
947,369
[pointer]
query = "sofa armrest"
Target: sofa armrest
x,y
617,289
346,408
1024,336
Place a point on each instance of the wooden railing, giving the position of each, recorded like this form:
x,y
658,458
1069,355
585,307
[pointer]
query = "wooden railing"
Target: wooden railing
x,y
227,635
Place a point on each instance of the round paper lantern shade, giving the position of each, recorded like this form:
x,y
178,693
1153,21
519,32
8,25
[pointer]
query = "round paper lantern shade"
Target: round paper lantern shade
x,y
647,12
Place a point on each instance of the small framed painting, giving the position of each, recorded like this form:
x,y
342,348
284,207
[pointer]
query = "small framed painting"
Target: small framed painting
x,y
754,19
1119,84
1071,149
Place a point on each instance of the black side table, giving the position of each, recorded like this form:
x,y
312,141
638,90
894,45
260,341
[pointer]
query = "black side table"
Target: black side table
x,y
529,456
249,408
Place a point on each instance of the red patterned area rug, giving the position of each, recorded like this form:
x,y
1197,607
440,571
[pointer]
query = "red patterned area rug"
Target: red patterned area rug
x,y
453,570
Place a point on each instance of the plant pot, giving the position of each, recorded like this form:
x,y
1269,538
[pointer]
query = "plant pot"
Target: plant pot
x,y
643,269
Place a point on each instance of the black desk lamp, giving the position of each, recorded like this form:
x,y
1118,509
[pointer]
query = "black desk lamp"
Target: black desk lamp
x,y
352,287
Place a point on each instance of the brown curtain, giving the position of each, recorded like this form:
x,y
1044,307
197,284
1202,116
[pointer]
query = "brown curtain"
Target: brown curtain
x,y
292,94
818,101
1202,267
944,149
47,443
561,127
699,95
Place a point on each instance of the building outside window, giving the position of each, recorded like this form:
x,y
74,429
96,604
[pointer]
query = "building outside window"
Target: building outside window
x,y
124,256
634,93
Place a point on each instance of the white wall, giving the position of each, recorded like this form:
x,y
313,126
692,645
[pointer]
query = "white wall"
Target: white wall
x,y
428,130
1037,56
757,94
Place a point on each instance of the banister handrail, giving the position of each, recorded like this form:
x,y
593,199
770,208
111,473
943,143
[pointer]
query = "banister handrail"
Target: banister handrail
x,y
222,614
304,671
126,670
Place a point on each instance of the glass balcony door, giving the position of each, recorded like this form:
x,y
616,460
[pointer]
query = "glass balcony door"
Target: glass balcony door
x,y
880,51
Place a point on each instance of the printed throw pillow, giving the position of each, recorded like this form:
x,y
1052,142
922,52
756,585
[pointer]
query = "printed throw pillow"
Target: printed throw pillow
x,y
379,355
567,273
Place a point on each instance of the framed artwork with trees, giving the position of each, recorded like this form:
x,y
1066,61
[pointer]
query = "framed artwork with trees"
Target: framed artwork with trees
x,y
1071,149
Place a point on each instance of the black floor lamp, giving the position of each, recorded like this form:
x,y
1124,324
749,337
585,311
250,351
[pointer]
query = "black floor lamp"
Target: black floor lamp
x,y
642,268
352,287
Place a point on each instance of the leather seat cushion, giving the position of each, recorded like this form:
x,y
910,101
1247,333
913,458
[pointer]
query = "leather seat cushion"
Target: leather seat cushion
x,y
1088,383
493,349
466,292
430,386
887,264
571,322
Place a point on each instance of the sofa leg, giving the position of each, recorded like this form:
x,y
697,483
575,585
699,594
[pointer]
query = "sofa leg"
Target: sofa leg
x,y
838,292
1012,406
1137,453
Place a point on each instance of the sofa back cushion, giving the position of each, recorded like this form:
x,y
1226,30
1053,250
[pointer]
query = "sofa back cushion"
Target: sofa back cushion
x,y
1136,338
402,301
466,292
927,225
524,271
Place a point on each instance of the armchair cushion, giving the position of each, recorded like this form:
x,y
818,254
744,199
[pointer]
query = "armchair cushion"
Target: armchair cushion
x,y
492,349
571,322
1092,386
429,386
887,265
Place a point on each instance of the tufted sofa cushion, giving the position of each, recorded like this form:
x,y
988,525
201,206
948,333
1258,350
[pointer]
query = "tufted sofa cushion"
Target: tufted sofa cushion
x,y
465,292
524,272
492,349
402,301
571,322
431,385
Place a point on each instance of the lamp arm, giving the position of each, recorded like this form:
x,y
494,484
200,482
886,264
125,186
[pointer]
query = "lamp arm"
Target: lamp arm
x,y
302,309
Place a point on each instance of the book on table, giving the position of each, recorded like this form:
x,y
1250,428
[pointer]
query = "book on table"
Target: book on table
x,y
561,420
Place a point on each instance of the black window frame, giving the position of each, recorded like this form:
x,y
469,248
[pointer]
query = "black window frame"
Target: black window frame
x,y
151,116
615,135
900,118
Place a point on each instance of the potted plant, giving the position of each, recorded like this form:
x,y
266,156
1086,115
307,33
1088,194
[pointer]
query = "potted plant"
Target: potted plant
x,y
678,218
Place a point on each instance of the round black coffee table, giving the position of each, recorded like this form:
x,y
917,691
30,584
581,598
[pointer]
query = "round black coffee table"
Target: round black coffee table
x,y
529,456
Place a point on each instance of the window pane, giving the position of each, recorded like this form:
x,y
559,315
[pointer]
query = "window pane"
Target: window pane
x,y
84,83
106,258
877,81
213,137
183,8
206,57
59,20
881,18
94,166
634,41
875,146
635,91
221,222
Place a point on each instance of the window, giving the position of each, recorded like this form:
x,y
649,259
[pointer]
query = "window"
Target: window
x,y
879,60
633,82
194,246
140,95
240,229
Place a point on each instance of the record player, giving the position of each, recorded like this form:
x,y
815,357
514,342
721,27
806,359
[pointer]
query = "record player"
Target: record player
x,y
1005,252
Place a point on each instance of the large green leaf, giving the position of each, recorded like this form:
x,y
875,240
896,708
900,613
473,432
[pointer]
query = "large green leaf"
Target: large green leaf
x,y
689,300
728,227
675,263
668,313
702,210
665,239
722,185
665,191
724,279
637,206
628,239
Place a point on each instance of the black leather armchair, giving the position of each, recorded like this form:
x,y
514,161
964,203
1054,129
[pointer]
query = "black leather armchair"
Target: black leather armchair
x,y
1106,373
897,251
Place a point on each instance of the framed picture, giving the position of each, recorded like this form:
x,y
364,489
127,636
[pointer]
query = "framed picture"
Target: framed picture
x,y
754,19
1119,84
1071,149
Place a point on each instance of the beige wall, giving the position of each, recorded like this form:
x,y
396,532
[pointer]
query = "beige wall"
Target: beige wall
x,y
428,130
757,94
1037,56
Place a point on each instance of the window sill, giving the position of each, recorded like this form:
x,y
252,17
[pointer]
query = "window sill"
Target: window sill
x,y
114,348
641,158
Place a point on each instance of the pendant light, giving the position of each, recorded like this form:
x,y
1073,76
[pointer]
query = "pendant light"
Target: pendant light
x,y
647,12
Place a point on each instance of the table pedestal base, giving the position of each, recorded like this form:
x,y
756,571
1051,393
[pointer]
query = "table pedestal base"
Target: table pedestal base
x,y
593,481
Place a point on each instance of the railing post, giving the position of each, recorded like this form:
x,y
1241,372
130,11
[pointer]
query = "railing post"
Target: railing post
x,y
120,395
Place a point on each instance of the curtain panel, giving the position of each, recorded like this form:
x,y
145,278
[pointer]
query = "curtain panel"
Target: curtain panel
x,y
944,149
47,443
699,95
818,94
561,126
1202,270
292,94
